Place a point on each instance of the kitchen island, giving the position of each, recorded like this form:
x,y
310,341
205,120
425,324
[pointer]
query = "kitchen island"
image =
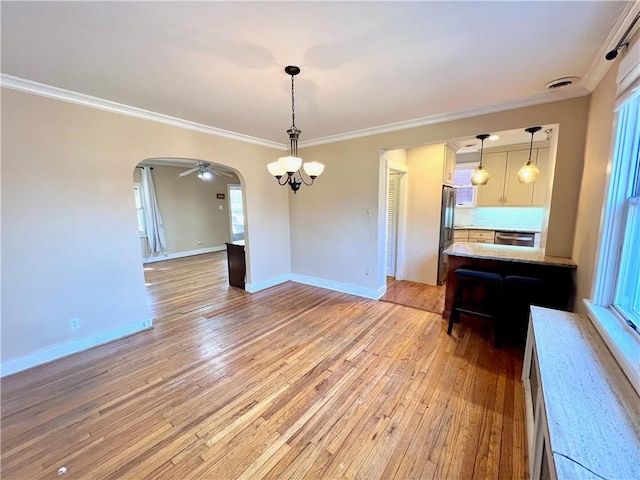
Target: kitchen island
x,y
511,260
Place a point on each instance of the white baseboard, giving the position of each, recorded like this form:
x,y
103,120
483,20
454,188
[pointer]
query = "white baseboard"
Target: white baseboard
x,y
188,253
272,282
58,351
339,286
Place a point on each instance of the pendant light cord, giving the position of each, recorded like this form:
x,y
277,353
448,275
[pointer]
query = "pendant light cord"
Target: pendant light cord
x,y
530,147
293,105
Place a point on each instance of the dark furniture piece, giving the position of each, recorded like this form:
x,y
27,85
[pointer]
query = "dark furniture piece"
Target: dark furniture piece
x,y
478,294
535,279
236,264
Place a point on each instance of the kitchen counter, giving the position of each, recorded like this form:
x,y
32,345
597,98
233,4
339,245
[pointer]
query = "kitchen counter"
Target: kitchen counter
x,y
557,272
497,229
507,253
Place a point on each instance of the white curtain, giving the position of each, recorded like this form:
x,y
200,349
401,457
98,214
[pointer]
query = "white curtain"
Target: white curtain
x,y
153,219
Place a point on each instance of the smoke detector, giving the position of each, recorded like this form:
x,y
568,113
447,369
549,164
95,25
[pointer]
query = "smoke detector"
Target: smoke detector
x,y
561,82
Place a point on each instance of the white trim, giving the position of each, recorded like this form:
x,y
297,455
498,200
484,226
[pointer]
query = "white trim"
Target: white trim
x,y
188,253
339,286
545,97
28,86
600,64
271,282
75,346
623,342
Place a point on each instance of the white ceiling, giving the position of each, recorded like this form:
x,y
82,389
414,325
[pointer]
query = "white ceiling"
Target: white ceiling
x,y
364,64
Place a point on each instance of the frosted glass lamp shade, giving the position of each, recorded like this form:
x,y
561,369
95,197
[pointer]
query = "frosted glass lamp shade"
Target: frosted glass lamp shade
x,y
479,176
290,164
276,169
313,169
528,173
207,175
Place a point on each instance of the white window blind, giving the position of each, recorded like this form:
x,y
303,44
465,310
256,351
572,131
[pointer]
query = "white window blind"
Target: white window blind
x,y
465,192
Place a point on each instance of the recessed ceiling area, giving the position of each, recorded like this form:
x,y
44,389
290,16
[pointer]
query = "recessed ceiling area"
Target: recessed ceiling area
x,y
365,65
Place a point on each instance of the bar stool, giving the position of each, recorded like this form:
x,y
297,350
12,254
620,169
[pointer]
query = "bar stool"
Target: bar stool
x,y
489,306
521,292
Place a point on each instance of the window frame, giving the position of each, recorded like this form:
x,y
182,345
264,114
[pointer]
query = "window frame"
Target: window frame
x,y
474,200
622,339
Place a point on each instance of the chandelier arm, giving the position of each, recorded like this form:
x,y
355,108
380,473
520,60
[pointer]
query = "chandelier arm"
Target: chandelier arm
x,y
286,180
303,180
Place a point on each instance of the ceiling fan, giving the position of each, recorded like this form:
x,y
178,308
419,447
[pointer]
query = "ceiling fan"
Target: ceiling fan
x,y
205,171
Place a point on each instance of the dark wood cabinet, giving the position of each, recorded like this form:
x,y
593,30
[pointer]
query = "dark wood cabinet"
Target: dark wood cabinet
x,y
236,263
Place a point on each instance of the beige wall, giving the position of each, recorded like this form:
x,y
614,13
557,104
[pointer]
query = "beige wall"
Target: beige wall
x,y
70,245
331,236
424,198
594,180
191,213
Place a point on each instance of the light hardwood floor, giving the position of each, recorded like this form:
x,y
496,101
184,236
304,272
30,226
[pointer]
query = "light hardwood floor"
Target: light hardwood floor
x,y
416,295
291,382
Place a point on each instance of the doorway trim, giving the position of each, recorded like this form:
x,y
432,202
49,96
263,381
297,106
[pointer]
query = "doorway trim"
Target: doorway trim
x,y
402,169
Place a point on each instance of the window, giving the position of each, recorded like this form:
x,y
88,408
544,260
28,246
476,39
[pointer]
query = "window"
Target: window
x,y
465,192
615,309
236,212
137,191
626,299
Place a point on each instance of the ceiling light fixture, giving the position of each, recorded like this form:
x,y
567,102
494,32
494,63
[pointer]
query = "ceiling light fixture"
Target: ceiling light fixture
x,y
204,174
291,164
480,176
529,171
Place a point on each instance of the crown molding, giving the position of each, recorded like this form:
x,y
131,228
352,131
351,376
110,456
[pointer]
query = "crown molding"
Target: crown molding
x,y
600,64
29,86
545,97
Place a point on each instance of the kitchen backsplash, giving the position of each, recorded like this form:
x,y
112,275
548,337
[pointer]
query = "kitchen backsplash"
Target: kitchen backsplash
x,y
502,218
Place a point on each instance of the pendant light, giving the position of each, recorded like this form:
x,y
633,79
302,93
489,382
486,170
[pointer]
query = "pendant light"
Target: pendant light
x,y
480,176
529,171
291,164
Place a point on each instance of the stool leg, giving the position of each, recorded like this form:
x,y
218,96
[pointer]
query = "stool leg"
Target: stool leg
x,y
457,298
499,318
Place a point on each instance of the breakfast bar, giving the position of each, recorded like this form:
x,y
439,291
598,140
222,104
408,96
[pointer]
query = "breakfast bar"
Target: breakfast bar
x,y
527,262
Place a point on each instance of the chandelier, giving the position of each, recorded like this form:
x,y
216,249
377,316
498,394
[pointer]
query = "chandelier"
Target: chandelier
x,y
290,165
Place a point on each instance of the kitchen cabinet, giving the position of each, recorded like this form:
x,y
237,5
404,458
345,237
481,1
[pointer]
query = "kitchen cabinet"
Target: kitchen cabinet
x,y
449,170
503,187
481,236
461,235
541,187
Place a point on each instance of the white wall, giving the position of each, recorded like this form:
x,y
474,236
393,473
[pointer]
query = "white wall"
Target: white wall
x,y
70,243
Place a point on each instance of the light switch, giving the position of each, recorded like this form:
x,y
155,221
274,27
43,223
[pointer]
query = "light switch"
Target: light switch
x,y
369,213
219,207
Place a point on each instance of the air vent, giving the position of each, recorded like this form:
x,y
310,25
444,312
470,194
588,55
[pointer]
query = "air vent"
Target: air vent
x,y
561,82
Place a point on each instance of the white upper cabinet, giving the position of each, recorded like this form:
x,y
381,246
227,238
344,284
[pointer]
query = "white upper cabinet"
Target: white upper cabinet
x,y
503,187
449,170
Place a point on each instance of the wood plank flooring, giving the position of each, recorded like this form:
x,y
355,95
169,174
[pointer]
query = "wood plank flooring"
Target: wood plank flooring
x,y
291,382
416,295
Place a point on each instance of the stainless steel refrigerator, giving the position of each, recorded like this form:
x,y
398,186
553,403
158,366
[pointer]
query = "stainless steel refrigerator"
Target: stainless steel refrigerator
x,y
446,230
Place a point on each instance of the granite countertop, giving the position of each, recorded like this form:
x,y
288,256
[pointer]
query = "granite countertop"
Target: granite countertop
x,y
497,229
507,253
592,409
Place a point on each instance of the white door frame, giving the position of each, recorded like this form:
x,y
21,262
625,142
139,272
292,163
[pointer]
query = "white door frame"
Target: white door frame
x,y
402,169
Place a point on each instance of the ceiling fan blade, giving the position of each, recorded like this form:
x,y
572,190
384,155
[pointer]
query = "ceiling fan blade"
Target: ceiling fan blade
x,y
220,172
187,172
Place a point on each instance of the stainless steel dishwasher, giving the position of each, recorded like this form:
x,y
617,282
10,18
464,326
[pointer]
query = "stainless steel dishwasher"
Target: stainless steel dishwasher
x,y
521,239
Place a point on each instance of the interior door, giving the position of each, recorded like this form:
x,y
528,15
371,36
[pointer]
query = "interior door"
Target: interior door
x,y
392,224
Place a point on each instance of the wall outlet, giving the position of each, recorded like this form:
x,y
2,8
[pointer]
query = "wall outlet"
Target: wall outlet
x,y
199,243
74,323
367,271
